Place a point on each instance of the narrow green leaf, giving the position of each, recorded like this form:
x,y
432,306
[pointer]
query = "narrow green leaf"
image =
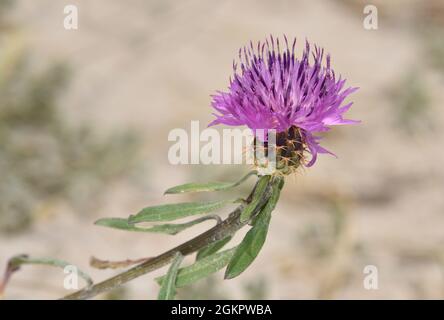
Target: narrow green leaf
x,y
206,187
253,241
172,229
201,269
168,288
17,261
212,248
257,196
168,212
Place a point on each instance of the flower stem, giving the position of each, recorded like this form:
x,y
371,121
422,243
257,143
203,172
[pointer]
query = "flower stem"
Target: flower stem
x,y
227,227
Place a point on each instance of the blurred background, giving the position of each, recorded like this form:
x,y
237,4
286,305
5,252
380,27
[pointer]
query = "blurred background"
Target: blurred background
x,y
85,115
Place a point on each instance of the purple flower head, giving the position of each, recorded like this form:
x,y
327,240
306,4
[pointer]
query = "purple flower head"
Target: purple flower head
x,y
275,90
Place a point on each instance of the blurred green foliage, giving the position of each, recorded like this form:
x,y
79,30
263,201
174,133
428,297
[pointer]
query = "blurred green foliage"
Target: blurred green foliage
x,y
434,47
412,101
43,159
256,290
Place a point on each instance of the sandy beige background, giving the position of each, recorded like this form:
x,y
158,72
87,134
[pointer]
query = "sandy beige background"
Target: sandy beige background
x,y
150,66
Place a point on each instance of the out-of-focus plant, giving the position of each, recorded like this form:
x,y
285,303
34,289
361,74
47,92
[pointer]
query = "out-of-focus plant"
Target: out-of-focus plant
x,y
5,6
207,289
290,99
328,243
412,102
43,158
210,289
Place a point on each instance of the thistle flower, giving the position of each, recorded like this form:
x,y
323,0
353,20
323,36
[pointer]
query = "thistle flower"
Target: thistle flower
x,y
275,90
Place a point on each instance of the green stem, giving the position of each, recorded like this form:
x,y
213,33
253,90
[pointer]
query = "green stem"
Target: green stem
x,y
227,227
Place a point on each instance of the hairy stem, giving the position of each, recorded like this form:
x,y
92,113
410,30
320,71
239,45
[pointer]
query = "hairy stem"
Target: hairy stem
x,y
227,227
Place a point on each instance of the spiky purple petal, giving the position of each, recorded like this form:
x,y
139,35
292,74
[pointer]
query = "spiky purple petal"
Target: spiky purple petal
x,y
272,89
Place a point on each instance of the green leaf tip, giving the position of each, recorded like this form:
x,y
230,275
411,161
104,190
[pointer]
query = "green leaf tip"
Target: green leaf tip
x,y
255,238
168,288
17,261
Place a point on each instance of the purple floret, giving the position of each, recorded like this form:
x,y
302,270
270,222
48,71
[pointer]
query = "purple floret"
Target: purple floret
x,y
275,90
